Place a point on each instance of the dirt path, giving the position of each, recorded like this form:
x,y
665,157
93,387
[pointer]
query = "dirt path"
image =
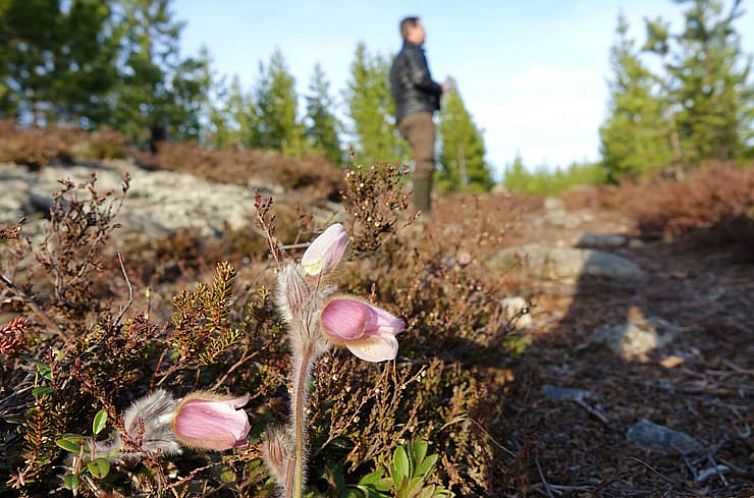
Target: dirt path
x,y
701,382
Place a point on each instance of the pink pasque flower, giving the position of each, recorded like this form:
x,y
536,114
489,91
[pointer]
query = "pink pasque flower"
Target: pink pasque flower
x,y
366,330
212,422
326,251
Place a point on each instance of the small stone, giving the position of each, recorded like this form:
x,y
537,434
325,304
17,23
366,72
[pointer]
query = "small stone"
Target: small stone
x,y
635,339
556,393
602,240
517,312
650,436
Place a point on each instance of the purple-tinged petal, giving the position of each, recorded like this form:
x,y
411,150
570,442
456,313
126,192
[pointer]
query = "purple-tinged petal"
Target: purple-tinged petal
x,y
326,251
213,424
347,319
387,322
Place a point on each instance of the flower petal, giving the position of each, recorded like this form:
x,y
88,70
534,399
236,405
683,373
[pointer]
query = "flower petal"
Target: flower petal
x,y
347,319
387,322
326,251
374,348
212,424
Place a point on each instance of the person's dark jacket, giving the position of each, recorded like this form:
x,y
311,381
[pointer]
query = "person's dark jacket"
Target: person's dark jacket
x,y
411,82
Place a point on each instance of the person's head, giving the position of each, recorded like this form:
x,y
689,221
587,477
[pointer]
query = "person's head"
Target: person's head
x,y
412,30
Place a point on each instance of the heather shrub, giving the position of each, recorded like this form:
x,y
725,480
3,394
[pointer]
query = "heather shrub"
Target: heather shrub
x,y
85,341
714,203
37,147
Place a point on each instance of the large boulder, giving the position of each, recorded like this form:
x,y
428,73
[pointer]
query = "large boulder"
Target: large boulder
x,y
567,262
157,203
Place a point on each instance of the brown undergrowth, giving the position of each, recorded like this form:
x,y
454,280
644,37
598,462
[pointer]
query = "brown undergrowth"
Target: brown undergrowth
x,y
82,332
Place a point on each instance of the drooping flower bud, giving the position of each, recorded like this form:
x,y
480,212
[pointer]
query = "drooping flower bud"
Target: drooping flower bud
x,y
366,330
148,423
212,422
293,294
326,251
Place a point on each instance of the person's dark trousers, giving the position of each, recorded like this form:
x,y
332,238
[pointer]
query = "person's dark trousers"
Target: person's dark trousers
x,y
419,130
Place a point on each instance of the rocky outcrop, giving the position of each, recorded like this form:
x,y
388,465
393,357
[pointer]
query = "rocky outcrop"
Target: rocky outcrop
x,y
157,203
567,262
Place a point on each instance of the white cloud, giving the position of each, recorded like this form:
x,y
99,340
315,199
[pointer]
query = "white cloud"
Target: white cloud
x,y
546,113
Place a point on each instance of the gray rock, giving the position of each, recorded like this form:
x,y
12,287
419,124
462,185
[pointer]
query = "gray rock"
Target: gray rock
x,y
556,393
554,204
635,339
565,262
157,203
517,312
602,240
650,436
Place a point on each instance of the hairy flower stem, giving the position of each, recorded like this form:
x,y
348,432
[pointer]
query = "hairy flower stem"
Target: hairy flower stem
x,y
302,365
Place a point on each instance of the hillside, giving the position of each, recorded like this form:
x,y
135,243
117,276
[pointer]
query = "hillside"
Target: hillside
x,y
632,317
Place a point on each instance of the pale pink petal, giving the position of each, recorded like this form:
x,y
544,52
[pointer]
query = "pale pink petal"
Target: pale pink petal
x,y
212,424
387,322
326,251
347,319
374,348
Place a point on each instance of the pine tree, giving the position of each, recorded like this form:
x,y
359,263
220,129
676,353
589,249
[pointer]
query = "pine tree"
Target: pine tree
x,y
322,124
57,60
275,107
636,137
158,90
463,166
231,116
516,179
371,109
711,84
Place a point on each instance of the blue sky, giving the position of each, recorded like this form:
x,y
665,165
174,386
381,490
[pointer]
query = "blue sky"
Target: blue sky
x,y
533,73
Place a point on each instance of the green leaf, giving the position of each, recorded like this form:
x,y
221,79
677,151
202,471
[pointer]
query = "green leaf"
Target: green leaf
x,y
99,422
42,390
424,468
373,477
418,451
401,466
68,445
428,492
414,486
71,482
99,467
227,476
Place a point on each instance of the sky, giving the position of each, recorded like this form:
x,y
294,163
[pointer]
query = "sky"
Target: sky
x,y
533,73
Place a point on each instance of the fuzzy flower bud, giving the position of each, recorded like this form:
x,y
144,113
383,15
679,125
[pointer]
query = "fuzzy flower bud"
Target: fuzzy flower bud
x,y
277,455
293,294
326,251
366,330
212,422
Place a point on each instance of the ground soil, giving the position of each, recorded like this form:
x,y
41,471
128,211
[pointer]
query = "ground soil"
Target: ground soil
x,y
702,383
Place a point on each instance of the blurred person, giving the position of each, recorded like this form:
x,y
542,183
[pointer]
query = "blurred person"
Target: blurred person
x,y
416,98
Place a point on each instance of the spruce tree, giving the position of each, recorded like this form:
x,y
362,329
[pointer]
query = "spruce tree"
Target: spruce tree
x,y
463,166
711,84
636,137
159,92
275,104
516,178
231,116
57,61
371,109
322,124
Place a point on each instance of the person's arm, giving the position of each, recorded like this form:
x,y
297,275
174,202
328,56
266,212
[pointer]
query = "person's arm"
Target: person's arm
x,y
419,73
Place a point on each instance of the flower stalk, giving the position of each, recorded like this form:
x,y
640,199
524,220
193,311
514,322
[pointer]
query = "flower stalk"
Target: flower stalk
x,y
315,322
